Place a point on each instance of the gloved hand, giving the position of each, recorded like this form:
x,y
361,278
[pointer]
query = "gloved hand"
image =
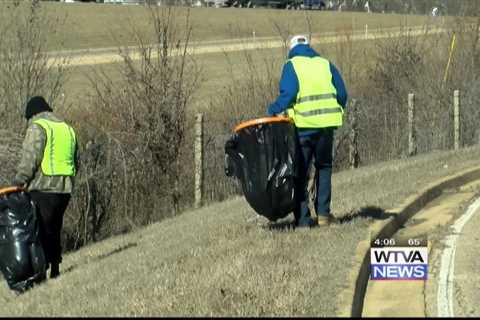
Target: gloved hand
x,y
17,183
281,114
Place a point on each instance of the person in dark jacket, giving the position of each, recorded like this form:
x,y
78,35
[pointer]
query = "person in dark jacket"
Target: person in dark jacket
x,y
313,93
47,171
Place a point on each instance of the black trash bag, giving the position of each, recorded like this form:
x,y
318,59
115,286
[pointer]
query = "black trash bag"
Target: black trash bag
x,y
22,260
262,157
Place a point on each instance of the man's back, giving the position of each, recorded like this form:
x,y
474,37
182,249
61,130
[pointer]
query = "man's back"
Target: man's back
x,y
290,84
29,170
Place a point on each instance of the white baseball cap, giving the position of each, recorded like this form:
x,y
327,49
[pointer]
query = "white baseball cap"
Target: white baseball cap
x,y
298,39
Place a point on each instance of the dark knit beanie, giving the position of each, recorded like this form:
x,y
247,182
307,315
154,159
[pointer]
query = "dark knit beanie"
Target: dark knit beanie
x,y
35,106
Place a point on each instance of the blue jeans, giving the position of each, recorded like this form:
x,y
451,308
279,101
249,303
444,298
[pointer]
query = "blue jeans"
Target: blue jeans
x,y
318,146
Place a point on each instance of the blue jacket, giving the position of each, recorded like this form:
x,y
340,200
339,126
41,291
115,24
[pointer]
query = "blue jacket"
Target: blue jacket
x,y
289,82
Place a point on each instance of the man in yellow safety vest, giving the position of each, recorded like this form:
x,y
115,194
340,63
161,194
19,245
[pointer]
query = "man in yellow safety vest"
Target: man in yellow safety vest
x,y
313,94
47,170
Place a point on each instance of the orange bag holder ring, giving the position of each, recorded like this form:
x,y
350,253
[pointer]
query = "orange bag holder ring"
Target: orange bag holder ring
x,y
8,190
258,121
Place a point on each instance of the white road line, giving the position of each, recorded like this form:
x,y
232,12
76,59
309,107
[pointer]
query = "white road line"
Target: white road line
x,y
447,267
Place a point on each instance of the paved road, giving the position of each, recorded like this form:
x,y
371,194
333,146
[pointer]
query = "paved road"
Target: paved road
x,y
466,279
110,55
437,222
405,298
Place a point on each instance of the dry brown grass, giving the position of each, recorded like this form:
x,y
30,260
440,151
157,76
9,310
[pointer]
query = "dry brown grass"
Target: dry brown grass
x,y
92,25
224,260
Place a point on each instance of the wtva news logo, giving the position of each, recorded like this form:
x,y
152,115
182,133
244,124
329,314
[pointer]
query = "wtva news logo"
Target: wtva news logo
x,y
399,263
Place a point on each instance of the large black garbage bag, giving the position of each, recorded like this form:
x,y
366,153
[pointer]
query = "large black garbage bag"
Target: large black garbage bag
x,y
261,154
22,260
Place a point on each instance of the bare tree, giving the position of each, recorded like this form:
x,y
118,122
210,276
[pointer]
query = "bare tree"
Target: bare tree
x,y
139,129
25,70
25,67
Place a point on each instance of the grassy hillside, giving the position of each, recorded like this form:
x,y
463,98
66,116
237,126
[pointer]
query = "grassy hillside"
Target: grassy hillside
x,y
95,26
223,259
226,260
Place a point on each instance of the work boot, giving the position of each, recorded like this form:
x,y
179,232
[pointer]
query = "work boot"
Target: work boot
x,y
55,270
306,224
324,220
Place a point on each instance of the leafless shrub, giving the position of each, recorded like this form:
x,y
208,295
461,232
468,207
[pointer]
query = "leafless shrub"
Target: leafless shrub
x,y
10,145
25,67
418,64
464,75
25,70
131,164
345,56
245,97
398,61
402,65
380,79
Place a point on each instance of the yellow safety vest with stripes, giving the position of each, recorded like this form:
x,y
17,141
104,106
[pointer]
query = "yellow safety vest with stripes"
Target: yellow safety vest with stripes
x,y
316,105
59,153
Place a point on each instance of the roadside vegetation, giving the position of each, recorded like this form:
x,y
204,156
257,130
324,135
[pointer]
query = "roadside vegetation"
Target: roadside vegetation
x,y
25,72
379,76
225,260
135,127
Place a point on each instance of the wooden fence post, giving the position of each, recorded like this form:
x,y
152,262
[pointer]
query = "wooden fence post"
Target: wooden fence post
x,y
456,119
412,147
353,154
198,159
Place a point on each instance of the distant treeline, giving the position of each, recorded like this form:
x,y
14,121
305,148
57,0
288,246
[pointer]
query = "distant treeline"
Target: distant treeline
x,y
444,7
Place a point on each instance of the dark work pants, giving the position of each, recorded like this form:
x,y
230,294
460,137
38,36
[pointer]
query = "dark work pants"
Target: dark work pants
x,y
317,146
51,208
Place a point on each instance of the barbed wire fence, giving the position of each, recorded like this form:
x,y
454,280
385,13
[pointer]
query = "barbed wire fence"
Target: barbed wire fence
x,y
356,143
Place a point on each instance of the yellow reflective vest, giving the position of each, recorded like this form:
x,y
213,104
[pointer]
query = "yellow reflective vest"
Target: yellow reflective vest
x,y
316,105
59,154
